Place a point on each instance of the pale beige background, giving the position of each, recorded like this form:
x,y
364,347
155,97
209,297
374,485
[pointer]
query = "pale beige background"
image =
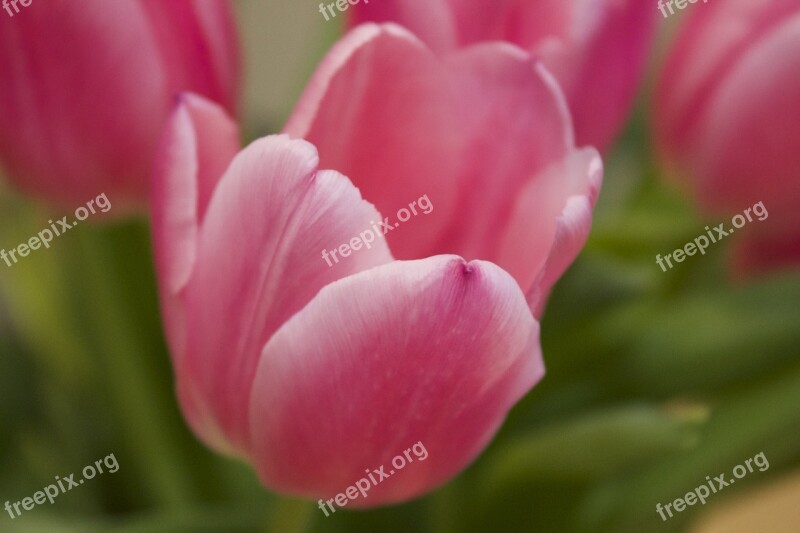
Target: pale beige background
x,y
283,42
773,508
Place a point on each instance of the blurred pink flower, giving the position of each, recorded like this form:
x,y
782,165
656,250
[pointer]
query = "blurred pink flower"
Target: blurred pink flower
x,y
597,49
88,85
727,120
315,373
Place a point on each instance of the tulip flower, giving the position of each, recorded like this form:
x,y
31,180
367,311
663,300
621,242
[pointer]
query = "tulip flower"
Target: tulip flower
x,y
597,50
318,371
87,88
727,121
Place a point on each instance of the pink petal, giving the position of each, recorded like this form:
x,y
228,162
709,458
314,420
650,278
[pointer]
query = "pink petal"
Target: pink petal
x,y
379,111
550,223
197,41
690,80
433,351
757,254
606,67
747,149
433,20
517,124
597,49
445,24
199,142
259,262
519,21
727,120
468,131
45,130
123,63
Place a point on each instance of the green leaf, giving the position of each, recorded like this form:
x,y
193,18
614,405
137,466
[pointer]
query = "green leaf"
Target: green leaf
x,y
595,445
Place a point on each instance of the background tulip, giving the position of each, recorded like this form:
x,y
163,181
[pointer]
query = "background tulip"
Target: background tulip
x,y
88,85
596,50
314,356
727,116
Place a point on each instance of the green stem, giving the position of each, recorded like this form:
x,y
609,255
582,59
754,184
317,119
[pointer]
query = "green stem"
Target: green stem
x,y
128,360
290,516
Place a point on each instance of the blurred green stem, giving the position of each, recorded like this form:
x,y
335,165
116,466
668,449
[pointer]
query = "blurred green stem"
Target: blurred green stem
x,y
290,516
135,392
445,509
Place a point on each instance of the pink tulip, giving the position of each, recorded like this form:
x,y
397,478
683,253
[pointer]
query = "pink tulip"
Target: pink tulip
x,y
727,120
318,373
87,87
596,48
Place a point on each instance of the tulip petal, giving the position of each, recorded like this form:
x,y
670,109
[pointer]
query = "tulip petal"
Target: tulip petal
x,y
468,130
259,262
690,81
726,121
123,64
199,142
378,111
433,20
750,151
45,130
764,253
550,223
597,49
517,124
197,39
605,66
433,351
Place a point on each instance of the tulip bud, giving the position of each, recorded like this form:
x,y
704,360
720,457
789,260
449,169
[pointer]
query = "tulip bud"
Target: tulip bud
x,y
87,87
727,120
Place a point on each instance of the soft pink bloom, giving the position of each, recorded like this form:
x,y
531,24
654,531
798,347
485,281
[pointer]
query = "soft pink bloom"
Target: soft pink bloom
x,y
597,49
316,373
727,120
87,87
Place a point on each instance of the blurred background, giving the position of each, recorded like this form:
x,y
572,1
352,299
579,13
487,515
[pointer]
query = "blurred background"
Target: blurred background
x,y
655,380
